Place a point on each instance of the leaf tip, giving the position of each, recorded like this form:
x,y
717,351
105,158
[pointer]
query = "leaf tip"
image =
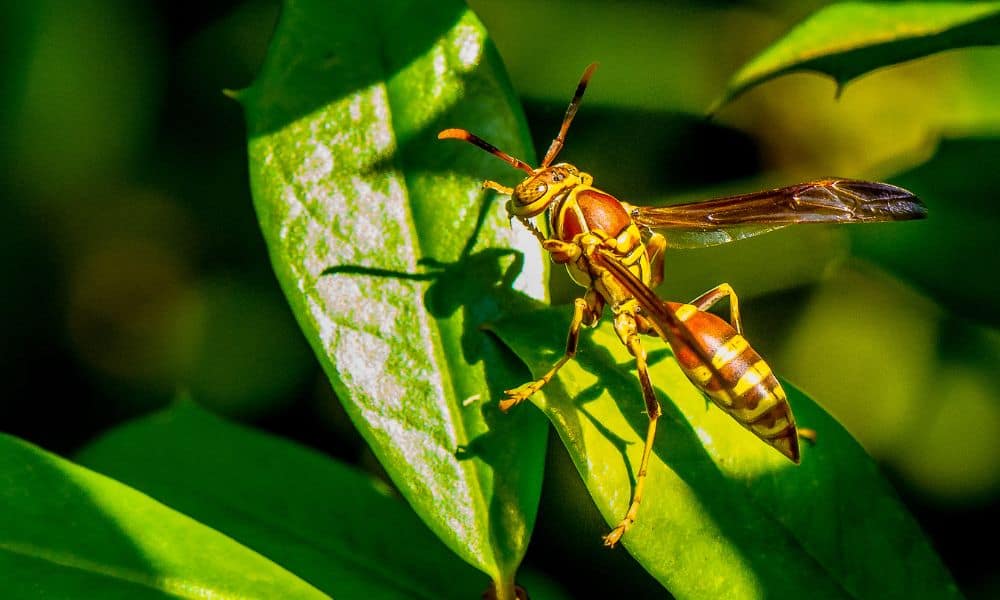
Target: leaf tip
x,y
237,95
716,106
841,84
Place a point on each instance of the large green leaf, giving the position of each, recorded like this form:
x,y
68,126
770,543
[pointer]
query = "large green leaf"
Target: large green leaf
x,y
332,526
724,515
849,39
390,257
66,532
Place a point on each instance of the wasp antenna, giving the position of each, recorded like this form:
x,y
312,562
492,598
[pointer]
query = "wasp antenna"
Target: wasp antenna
x,y
574,104
461,134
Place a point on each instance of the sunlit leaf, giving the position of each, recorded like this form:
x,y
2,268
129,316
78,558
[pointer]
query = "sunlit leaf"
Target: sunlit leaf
x,y
391,258
847,40
724,515
67,532
325,522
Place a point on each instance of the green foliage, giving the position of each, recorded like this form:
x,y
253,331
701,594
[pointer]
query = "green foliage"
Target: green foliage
x,y
67,532
962,223
335,528
391,259
725,515
413,293
849,39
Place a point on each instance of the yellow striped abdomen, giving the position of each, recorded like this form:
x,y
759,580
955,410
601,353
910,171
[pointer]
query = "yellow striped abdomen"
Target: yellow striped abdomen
x,y
736,378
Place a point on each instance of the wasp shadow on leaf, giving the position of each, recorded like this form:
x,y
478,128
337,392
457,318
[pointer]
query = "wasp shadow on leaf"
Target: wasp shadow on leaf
x,y
478,285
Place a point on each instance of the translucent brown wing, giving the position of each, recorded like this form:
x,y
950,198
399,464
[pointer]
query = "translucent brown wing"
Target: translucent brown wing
x,y
723,220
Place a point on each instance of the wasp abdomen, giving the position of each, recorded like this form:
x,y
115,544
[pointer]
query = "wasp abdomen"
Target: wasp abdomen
x,y
739,381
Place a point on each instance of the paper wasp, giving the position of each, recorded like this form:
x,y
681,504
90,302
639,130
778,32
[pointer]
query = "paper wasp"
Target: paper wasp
x,y
613,249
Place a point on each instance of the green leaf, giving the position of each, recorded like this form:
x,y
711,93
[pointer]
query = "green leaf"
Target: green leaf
x,y
334,527
66,532
724,515
391,258
849,39
935,253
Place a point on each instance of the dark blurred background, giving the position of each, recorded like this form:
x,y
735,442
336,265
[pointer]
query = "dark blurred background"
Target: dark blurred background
x,y
134,268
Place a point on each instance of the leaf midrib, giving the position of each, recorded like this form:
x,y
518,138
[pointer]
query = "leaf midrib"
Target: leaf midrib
x,y
452,405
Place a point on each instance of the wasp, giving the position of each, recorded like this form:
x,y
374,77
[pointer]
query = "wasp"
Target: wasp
x,y
615,251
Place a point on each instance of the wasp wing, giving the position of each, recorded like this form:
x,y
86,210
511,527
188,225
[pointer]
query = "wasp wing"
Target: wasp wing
x,y
663,320
723,220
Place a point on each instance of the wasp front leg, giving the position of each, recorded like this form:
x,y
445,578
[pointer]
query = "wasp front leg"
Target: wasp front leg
x,y
586,313
562,252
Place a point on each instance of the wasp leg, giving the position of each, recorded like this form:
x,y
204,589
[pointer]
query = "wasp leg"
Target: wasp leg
x,y
808,435
709,298
586,313
561,252
625,324
654,250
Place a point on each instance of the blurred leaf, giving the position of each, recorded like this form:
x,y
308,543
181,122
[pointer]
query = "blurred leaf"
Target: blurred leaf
x,y
653,55
391,260
328,524
948,253
247,355
85,97
725,515
66,532
849,39
929,413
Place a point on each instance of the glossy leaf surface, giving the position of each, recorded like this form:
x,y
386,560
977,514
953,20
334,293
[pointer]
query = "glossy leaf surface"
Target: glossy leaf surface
x,y
329,524
67,532
391,258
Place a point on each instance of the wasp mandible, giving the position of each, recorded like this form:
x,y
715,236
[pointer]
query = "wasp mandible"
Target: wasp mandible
x,y
615,251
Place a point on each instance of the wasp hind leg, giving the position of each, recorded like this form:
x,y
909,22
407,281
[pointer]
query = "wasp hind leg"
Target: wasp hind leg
x,y
712,296
586,313
625,326
654,250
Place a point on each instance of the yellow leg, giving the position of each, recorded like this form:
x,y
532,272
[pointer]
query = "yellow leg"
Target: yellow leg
x,y
709,298
807,434
653,410
654,250
581,312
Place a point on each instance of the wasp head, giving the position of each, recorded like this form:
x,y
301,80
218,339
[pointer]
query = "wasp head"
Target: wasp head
x,y
541,188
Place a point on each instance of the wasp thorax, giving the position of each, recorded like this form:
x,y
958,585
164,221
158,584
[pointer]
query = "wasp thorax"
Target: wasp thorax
x,y
535,193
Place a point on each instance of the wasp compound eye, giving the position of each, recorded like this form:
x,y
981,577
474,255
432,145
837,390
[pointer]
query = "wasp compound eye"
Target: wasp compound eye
x,y
530,198
531,192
